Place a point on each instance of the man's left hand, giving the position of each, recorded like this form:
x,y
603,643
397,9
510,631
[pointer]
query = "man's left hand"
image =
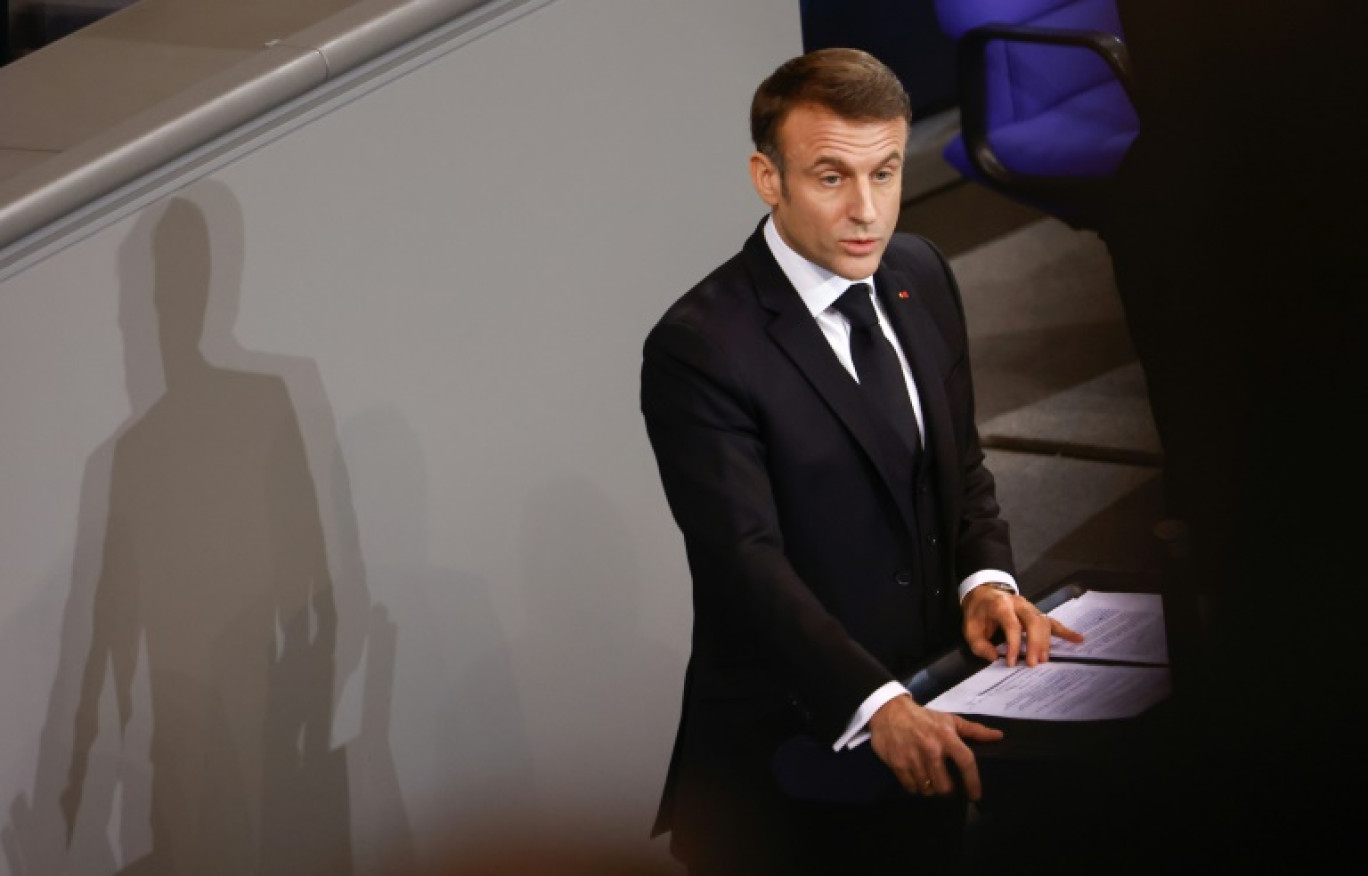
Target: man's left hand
x,y
987,610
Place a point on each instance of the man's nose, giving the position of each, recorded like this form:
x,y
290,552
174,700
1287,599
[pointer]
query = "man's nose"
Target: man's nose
x,y
862,208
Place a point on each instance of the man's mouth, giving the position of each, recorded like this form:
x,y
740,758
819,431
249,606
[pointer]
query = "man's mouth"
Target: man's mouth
x,y
860,245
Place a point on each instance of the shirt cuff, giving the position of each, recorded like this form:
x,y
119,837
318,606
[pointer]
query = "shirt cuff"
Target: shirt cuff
x,y
983,577
855,733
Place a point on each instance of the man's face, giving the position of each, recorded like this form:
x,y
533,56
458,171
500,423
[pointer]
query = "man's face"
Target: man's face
x,y
837,200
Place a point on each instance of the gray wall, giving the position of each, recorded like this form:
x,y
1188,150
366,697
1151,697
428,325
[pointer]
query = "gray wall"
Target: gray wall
x,y
329,532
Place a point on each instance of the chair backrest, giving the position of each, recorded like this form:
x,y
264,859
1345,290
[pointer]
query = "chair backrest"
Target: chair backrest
x,y
1026,79
1045,120
958,16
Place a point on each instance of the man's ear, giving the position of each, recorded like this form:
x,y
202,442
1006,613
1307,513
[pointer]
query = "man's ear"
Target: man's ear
x,y
766,178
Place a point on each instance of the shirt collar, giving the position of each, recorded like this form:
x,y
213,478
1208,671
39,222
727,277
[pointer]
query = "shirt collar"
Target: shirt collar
x,y
818,287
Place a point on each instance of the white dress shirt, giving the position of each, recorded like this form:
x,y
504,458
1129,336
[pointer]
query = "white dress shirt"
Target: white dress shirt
x,y
819,289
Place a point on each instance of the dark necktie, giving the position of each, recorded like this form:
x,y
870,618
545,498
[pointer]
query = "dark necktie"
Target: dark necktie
x,y
876,364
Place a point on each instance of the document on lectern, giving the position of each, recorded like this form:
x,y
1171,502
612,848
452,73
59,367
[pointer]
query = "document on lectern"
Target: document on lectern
x,y
1057,691
1094,680
1116,627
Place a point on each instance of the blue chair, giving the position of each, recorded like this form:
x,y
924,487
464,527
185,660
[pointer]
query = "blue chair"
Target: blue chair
x,y
1046,106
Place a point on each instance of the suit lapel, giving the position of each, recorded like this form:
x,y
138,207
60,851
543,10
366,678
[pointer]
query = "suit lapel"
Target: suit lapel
x,y
795,331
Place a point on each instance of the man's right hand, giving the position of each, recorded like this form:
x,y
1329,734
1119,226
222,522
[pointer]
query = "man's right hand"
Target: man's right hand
x,y
915,743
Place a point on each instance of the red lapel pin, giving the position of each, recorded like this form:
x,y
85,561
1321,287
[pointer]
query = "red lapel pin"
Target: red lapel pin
x,y
902,294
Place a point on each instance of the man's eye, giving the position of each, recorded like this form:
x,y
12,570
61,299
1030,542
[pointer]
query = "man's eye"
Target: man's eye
x,y
830,179
883,175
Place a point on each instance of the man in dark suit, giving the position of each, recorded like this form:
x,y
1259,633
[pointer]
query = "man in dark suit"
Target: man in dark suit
x,y
836,536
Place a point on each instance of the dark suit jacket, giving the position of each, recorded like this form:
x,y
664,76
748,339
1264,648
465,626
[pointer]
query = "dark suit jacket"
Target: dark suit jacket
x,y
799,543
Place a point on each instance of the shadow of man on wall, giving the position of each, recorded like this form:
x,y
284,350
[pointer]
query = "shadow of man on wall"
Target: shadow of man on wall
x,y
195,732
214,558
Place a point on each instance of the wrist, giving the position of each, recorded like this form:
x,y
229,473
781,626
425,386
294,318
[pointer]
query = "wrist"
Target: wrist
x,y
999,586
889,712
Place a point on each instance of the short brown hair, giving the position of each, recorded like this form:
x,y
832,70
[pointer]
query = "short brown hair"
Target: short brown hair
x,y
851,83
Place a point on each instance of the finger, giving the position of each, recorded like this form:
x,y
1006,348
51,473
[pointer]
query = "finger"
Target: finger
x,y
913,778
978,635
975,731
1012,632
939,781
984,649
968,770
1038,639
911,784
1063,632
973,636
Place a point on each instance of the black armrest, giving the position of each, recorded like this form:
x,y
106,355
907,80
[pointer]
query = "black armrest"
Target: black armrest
x,y
974,96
